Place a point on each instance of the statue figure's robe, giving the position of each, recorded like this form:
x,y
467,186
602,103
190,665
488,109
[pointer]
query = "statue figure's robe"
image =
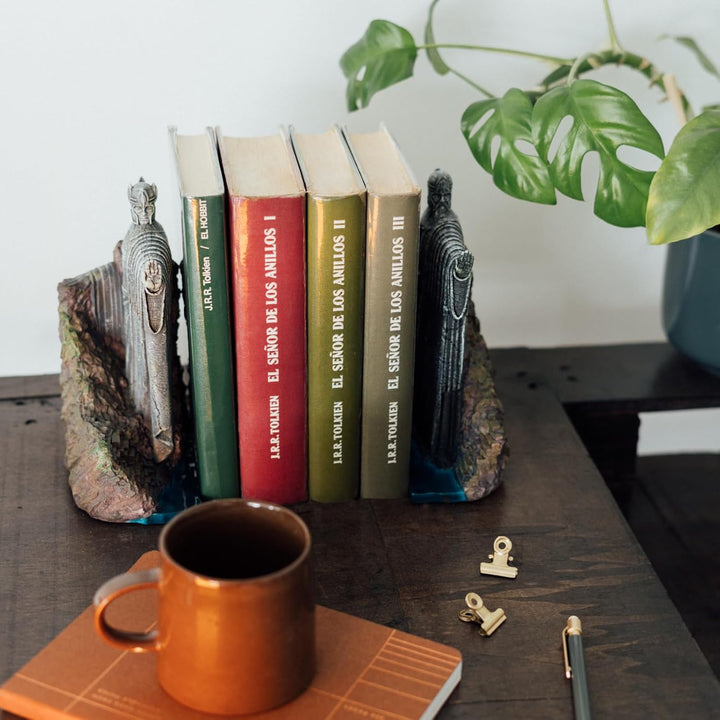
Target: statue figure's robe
x,y
445,284
147,264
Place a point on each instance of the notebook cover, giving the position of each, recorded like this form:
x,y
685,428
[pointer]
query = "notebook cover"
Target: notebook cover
x,y
364,670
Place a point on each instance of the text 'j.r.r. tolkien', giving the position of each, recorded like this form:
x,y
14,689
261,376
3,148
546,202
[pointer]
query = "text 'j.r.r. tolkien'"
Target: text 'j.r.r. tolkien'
x,y
205,267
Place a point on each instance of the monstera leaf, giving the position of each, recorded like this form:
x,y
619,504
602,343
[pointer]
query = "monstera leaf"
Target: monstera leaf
x,y
384,56
603,120
685,192
515,172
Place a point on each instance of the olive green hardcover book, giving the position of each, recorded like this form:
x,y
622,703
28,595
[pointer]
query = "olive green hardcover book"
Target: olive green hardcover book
x,y
335,239
391,260
207,310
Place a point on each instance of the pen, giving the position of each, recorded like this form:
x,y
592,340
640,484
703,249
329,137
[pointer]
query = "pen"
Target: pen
x,y
575,667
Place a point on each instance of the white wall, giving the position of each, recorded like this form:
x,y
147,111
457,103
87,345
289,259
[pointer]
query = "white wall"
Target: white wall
x,y
88,89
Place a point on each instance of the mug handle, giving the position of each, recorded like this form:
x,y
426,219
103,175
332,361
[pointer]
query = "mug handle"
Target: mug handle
x,y
113,589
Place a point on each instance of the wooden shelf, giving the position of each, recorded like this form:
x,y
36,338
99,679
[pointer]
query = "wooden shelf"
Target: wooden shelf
x,y
410,566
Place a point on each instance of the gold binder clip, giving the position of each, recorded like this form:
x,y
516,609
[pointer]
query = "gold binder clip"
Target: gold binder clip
x,y
489,620
500,558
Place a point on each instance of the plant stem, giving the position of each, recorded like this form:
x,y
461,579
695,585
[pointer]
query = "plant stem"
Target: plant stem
x,y
503,51
677,99
583,60
592,61
568,69
614,42
470,82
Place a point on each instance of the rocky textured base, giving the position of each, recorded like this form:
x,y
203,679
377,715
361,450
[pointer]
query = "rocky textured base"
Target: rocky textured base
x,y
108,453
483,449
482,446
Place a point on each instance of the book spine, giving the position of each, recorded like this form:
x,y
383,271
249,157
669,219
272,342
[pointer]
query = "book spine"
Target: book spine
x,y
268,271
207,302
336,234
389,341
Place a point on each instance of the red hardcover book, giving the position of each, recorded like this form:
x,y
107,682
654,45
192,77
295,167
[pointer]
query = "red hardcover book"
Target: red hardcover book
x,y
266,216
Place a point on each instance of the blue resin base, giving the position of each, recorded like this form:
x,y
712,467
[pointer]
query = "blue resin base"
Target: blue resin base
x,y
431,484
182,492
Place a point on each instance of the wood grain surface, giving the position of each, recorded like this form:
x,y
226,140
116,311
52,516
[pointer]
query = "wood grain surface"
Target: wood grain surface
x,y
407,566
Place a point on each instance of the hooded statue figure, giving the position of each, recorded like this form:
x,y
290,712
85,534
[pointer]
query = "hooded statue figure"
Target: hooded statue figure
x,y
146,291
444,287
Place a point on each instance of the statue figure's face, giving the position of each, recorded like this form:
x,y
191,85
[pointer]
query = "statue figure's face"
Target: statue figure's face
x,y
142,202
441,199
440,192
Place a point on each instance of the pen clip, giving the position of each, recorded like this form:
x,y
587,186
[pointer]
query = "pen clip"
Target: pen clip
x,y
568,669
573,627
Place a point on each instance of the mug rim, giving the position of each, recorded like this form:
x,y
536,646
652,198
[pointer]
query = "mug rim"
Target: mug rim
x,y
206,506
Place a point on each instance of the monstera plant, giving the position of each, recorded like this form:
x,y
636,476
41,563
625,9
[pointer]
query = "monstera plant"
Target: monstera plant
x,y
676,201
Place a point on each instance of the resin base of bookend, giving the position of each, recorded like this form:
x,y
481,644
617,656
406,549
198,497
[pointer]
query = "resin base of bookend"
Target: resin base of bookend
x,y
108,449
482,445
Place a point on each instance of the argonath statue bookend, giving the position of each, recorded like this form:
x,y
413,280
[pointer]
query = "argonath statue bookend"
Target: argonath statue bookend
x,y
459,446
121,380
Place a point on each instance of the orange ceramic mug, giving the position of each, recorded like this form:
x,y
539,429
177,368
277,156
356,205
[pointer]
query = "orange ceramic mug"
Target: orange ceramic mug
x,y
236,615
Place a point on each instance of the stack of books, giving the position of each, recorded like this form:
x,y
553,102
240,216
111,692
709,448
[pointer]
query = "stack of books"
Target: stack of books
x,y
300,282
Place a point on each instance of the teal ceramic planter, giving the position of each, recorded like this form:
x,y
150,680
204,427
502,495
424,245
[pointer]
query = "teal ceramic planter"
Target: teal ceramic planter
x,y
691,298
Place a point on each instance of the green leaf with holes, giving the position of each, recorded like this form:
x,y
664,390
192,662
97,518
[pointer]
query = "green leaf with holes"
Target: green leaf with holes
x,y
520,174
384,56
603,120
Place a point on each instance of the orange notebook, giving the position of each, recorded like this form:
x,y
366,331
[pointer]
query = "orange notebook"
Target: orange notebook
x,y
364,670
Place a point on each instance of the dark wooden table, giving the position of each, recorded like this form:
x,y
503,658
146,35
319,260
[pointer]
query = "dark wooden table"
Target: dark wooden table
x,y
410,566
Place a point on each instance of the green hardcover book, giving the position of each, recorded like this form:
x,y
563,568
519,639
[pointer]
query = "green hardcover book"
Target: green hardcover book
x,y
391,261
335,239
207,310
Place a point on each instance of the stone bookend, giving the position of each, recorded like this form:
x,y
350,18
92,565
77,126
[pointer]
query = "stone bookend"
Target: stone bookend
x,y
123,439
459,446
